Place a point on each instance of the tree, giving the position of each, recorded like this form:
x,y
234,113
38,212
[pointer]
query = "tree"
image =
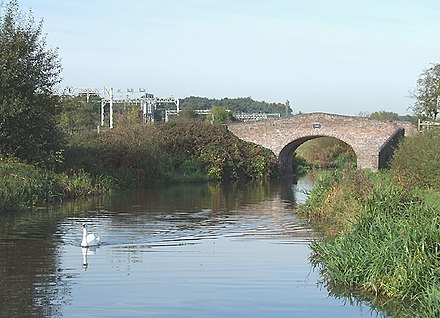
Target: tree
x,y
186,115
28,76
219,115
384,115
78,114
245,105
427,93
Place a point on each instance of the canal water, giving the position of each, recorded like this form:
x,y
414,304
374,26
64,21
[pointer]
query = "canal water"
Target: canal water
x,y
179,251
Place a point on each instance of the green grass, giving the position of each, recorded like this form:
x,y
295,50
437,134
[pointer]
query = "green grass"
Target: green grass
x,y
324,153
385,240
416,162
24,185
336,199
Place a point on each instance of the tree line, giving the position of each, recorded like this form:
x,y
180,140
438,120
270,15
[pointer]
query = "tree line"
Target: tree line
x,y
240,104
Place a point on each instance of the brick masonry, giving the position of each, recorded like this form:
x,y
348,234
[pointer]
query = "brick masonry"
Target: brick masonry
x,y
373,141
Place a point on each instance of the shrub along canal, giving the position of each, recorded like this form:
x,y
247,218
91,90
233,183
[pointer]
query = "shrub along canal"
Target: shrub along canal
x,y
180,251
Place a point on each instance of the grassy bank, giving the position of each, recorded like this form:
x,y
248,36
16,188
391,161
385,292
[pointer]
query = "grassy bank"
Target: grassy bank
x,y
23,185
385,235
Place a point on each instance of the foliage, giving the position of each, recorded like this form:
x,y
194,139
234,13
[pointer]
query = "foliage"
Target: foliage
x,y
219,115
24,185
220,154
382,235
176,151
391,249
336,198
326,152
427,93
384,115
78,115
388,116
300,165
416,161
126,153
244,104
30,71
185,115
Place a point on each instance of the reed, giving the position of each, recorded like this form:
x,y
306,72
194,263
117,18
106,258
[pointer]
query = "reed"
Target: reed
x,y
336,199
24,185
389,247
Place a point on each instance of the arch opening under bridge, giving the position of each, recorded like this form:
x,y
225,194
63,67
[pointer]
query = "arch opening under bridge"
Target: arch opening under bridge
x,y
288,153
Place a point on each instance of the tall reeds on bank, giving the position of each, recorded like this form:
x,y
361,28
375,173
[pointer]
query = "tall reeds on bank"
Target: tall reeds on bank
x,y
385,239
392,249
24,185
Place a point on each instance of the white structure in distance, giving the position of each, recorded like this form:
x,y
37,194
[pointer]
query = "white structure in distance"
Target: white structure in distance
x,y
147,101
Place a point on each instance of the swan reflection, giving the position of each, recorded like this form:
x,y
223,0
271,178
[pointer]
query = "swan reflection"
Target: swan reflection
x,y
85,252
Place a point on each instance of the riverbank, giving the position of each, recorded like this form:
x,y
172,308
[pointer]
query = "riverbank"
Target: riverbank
x,y
23,185
135,156
384,238
180,151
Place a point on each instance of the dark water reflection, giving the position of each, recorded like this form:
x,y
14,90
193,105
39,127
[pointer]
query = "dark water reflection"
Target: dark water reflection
x,y
181,251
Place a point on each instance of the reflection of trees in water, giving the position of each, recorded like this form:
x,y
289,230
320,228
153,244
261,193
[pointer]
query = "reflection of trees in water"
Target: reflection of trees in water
x,y
193,197
214,199
205,209
32,284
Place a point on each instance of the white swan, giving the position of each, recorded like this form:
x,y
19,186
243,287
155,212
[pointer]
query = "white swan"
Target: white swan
x,y
90,239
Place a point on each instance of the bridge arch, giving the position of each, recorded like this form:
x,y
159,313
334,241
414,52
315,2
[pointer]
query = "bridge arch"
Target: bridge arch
x,y
286,155
372,141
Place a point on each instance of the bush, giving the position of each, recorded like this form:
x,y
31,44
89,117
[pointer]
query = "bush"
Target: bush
x,y
416,162
220,154
128,155
174,152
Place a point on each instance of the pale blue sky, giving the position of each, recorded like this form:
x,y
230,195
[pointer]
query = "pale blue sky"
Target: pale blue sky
x,y
335,56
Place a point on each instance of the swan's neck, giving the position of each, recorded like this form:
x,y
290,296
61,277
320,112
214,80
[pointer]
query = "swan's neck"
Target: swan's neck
x,y
84,240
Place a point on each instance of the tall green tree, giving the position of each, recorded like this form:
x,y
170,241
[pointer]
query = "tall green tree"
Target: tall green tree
x,y
29,72
384,115
219,115
80,114
427,93
186,115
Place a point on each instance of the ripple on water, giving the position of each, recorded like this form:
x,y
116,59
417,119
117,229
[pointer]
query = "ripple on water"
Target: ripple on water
x,y
166,254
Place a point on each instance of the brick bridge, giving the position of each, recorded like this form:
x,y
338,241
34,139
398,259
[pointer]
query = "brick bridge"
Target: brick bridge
x,y
373,141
